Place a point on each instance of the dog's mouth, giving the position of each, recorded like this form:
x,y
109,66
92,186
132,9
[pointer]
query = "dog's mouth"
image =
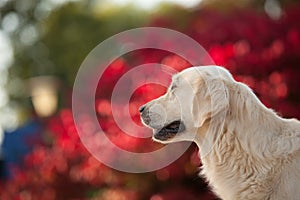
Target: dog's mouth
x,y
169,131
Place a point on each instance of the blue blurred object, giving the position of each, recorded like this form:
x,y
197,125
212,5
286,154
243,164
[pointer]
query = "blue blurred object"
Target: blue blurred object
x,y
16,144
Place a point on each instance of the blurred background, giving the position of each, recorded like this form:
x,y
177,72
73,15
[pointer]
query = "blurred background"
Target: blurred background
x,y
42,44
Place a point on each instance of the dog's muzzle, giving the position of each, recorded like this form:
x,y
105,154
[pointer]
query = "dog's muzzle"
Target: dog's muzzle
x,y
162,131
151,119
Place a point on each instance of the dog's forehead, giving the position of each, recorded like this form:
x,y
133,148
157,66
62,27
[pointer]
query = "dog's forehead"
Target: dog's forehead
x,y
187,77
188,74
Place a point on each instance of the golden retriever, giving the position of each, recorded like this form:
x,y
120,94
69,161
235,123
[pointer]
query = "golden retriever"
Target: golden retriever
x,y
247,150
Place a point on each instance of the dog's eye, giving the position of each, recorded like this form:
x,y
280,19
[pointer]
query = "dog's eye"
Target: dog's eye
x,y
173,87
174,83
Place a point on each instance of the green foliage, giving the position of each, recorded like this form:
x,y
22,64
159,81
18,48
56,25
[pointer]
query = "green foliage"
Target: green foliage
x,y
73,31
67,36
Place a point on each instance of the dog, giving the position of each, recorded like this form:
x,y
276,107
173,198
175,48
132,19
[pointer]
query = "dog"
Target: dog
x,y
247,150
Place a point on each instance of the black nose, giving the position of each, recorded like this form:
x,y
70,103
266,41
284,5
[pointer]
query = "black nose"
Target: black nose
x,y
142,108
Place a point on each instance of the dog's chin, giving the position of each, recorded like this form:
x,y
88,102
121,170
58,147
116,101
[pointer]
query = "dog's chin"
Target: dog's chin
x,y
168,132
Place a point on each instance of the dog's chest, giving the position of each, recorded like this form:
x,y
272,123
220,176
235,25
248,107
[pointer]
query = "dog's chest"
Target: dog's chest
x,y
233,175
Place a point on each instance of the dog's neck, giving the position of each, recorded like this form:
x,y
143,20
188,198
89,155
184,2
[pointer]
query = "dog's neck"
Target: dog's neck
x,y
251,122
236,141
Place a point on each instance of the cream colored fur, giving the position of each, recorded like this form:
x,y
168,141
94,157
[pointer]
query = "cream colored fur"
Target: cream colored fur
x,y
247,150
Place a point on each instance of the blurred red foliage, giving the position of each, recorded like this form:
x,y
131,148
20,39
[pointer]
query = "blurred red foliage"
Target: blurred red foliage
x,y
261,52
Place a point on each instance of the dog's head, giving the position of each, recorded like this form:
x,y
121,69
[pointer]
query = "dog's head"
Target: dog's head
x,y
196,97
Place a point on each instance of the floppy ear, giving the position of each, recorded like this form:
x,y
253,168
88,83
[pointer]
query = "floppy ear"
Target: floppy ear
x,y
211,99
